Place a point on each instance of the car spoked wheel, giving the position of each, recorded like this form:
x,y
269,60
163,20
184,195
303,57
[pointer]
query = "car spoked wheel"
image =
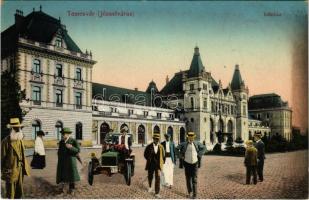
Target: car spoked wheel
x,y
90,173
128,173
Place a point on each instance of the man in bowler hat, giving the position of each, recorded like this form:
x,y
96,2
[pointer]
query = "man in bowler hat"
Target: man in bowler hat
x,y
67,172
154,154
259,145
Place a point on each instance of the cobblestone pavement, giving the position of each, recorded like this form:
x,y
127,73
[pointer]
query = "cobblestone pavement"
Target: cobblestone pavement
x,y
286,176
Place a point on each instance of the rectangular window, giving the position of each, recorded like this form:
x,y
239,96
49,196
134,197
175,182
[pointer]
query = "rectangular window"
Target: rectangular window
x,y
159,115
36,66
59,97
205,86
78,74
191,86
171,117
205,103
36,94
130,112
59,70
78,100
58,41
145,113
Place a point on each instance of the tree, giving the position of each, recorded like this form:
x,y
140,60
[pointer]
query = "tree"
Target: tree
x,y
11,96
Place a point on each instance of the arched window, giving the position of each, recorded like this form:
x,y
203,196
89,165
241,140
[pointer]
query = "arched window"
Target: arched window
x,y
36,66
221,125
141,134
36,126
104,129
156,129
79,131
58,127
124,125
78,74
170,131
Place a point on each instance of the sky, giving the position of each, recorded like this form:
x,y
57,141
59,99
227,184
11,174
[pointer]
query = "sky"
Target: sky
x,y
159,40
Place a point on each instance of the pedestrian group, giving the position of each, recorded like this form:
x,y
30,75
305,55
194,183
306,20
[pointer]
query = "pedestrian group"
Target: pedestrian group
x,y
160,160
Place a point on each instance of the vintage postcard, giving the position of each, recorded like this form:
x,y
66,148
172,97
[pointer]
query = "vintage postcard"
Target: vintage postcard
x,y
154,99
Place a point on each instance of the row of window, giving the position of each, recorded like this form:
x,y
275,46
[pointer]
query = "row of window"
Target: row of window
x,y
37,126
37,96
204,86
58,69
145,113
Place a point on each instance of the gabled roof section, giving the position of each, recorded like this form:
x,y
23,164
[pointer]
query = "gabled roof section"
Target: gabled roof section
x,y
118,94
40,27
236,80
264,101
196,66
152,87
174,86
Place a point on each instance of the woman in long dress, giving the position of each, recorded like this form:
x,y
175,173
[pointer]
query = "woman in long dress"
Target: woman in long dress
x,y
38,161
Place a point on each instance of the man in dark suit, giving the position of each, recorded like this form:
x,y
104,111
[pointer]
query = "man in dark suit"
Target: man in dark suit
x,y
191,153
154,154
259,145
169,161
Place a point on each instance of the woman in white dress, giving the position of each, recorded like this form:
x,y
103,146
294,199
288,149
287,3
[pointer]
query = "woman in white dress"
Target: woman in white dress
x,y
38,161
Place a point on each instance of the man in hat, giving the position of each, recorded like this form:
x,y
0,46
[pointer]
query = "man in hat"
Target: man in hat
x,y
250,162
125,139
154,154
259,145
67,172
191,153
13,161
169,161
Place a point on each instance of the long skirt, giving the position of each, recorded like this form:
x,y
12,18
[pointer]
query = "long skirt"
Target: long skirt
x,y
168,172
38,162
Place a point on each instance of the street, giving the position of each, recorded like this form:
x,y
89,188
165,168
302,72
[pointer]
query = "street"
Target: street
x,y
285,174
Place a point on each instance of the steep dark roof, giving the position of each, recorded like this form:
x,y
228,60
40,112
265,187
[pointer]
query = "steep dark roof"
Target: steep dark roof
x,y
37,26
236,80
113,93
152,87
196,66
174,86
264,101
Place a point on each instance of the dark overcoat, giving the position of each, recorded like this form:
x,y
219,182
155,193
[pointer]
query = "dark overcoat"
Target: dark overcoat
x,y
66,169
260,150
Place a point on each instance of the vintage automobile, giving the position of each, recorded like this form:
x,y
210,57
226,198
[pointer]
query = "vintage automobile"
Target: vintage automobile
x,y
114,159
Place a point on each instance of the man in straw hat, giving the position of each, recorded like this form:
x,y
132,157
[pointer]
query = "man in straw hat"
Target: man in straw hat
x,y
259,145
191,153
13,161
154,154
250,162
67,172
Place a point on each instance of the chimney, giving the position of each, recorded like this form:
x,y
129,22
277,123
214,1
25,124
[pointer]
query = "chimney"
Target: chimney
x,y
19,18
136,89
167,79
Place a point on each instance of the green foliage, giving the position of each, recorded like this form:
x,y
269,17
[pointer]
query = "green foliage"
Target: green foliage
x,y
11,95
279,144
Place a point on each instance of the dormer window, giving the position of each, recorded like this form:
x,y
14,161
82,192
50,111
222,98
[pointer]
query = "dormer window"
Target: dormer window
x,y
58,41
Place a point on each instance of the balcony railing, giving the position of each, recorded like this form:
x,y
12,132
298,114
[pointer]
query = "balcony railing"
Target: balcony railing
x,y
37,77
58,80
78,83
